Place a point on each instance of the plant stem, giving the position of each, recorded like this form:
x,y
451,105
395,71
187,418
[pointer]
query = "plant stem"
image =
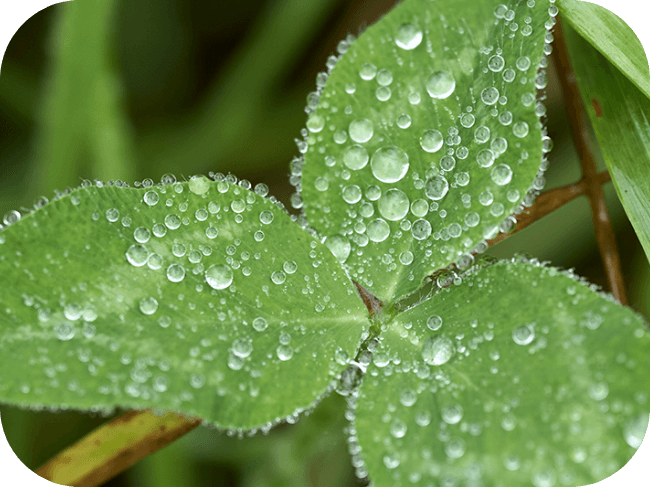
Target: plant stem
x,y
580,125
114,447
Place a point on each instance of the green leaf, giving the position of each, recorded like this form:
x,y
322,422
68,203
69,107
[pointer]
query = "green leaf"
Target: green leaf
x,y
201,297
618,113
520,375
378,180
611,36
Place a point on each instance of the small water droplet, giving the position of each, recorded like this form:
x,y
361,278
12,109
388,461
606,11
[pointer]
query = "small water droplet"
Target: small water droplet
x,y
148,305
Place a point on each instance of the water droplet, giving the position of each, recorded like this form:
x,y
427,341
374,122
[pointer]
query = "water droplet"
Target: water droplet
x,y
361,130
141,235
434,322
260,324
409,36
452,414
403,121
339,246
199,185
393,205
284,352
635,430
509,75
523,335
490,95
431,141
389,164
315,123
398,429
112,215
266,217
151,198
467,120
447,163
219,276
278,277
351,194
523,63
436,188
420,229
368,71
408,397
197,380
496,63
406,257
501,174
378,230
65,331
440,84
290,266
598,391
482,134
242,347
438,351
384,77
148,305
321,184
520,129
172,221
485,158
355,157
175,273
137,255
499,145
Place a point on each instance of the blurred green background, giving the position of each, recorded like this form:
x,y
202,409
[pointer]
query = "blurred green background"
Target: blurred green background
x,y
117,89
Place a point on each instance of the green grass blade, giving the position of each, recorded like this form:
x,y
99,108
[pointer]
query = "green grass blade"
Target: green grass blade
x,y
447,90
619,115
520,375
612,37
200,297
82,119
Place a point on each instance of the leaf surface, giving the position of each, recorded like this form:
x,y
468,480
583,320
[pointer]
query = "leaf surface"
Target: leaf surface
x,y
619,115
426,136
201,297
520,375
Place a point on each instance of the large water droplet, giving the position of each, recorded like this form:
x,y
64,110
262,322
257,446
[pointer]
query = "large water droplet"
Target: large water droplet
x,y
431,140
635,430
393,205
339,246
438,351
441,84
409,36
389,164
501,174
361,130
175,273
355,157
219,276
436,188
378,230
137,255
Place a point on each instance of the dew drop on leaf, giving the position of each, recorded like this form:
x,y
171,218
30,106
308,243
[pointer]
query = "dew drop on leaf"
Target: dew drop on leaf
x,y
389,164
219,276
438,351
409,36
148,305
440,84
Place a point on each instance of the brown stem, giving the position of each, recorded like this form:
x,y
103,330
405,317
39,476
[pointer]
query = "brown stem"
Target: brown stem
x,y
114,447
579,125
